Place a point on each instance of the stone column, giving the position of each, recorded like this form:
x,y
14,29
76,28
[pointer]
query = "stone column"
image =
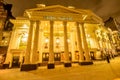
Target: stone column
x,y
1,29
40,46
1,34
8,59
29,43
73,48
86,50
35,44
51,47
67,62
81,55
27,64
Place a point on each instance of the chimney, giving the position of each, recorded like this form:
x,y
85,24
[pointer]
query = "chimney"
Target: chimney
x,y
40,5
71,7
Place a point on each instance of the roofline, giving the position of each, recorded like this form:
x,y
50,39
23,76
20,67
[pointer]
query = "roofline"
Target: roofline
x,y
53,6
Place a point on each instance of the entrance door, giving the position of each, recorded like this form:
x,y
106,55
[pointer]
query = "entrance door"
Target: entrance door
x,y
45,56
15,62
57,56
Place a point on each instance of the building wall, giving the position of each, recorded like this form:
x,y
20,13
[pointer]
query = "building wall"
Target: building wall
x,y
82,40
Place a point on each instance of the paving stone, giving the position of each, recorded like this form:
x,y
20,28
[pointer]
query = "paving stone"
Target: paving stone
x,y
100,70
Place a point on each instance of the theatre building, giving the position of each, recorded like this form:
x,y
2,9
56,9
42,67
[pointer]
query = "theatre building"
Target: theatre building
x,y
51,35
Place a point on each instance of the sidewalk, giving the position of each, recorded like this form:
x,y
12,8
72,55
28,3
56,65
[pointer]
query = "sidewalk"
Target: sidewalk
x,y
100,70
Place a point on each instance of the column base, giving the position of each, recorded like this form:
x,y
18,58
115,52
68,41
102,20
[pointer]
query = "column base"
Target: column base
x,y
43,64
4,66
86,63
51,66
67,65
28,67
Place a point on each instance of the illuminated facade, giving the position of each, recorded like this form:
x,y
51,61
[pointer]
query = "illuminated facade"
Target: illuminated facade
x,y
114,28
50,35
5,28
3,16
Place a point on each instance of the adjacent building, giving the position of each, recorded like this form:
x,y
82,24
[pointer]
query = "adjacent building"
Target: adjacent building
x,y
3,16
5,28
114,32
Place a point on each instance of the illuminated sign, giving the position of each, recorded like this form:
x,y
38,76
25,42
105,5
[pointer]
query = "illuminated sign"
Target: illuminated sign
x,y
57,18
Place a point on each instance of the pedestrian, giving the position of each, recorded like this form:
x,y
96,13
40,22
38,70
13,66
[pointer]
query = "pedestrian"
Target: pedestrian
x,y
107,58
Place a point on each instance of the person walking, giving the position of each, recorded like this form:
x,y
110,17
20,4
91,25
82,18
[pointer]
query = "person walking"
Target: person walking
x,y
107,58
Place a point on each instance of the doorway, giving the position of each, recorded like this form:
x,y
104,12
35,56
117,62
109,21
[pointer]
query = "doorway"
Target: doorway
x,y
15,62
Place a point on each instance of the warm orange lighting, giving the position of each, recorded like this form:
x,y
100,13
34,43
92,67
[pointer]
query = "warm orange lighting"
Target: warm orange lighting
x,y
1,58
84,16
57,40
68,40
25,26
24,39
46,40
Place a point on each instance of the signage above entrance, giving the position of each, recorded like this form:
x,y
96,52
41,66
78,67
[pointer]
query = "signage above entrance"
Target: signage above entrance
x,y
63,18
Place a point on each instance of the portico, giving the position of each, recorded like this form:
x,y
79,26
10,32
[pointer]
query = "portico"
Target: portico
x,y
55,40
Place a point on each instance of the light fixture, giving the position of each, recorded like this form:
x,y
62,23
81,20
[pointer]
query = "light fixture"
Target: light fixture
x,y
24,39
26,35
6,42
25,26
68,40
46,40
57,40
88,35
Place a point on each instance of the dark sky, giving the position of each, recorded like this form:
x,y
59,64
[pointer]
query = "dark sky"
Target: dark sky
x,y
103,8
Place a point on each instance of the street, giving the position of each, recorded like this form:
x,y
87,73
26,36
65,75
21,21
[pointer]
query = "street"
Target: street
x,y
100,70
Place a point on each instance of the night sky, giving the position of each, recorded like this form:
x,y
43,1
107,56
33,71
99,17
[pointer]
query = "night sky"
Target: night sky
x,y
103,8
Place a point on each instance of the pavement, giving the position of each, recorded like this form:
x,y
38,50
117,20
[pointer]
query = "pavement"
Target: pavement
x,y
100,70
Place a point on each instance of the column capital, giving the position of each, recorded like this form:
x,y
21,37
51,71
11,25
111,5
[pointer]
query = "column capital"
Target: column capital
x,y
37,21
51,22
31,21
82,23
77,23
64,23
